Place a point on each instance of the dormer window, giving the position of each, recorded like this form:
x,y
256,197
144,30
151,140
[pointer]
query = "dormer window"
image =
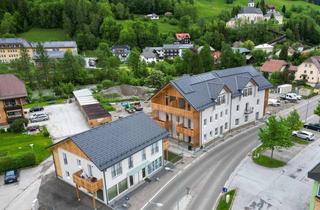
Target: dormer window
x,y
247,91
221,99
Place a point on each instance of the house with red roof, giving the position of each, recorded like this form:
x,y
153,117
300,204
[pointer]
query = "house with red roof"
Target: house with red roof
x,y
183,38
12,97
273,65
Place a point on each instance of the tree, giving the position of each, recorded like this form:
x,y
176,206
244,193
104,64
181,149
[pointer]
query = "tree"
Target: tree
x,y
155,79
248,44
284,52
275,135
229,58
293,121
259,56
185,23
284,9
8,24
317,110
42,66
110,30
206,58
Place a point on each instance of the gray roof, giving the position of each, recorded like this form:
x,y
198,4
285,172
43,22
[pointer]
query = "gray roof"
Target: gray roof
x,y
315,60
110,143
15,41
177,46
315,173
148,52
275,13
201,90
240,50
57,44
250,10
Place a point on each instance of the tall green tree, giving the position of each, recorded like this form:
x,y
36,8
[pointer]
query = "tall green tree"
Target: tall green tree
x,y
229,58
206,58
293,121
8,24
275,135
42,60
284,52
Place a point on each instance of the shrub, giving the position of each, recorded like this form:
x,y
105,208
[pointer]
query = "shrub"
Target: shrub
x,y
45,132
107,83
17,126
17,161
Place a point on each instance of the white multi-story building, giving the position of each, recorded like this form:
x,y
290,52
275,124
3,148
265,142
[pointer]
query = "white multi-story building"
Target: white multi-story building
x,y
111,159
309,71
197,109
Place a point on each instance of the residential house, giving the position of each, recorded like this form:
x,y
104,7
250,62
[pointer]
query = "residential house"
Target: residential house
x,y
152,54
273,65
10,49
309,70
121,51
315,196
200,108
243,51
13,95
94,113
173,50
108,161
272,13
264,47
152,16
183,38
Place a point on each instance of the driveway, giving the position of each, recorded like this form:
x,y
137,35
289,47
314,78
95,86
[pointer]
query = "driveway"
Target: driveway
x,y
56,194
65,120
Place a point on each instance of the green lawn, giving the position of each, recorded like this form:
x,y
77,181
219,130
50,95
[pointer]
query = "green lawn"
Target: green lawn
x,y
12,144
223,205
265,161
41,35
44,103
173,157
299,140
207,8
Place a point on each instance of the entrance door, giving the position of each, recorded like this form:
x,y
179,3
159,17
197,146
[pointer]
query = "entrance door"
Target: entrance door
x,y
143,173
131,181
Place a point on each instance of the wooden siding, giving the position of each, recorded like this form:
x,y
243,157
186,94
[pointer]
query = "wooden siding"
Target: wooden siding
x,y
91,186
95,122
56,161
266,98
3,115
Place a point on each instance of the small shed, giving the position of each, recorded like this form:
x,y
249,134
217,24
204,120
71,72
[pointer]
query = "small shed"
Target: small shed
x,y
286,88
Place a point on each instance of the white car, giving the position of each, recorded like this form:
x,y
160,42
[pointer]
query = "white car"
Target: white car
x,y
273,102
304,135
39,117
295,96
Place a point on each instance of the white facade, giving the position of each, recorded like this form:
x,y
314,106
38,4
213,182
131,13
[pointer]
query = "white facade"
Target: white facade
x,y
308,71
235,112
250,17
130,176
148,60
264,47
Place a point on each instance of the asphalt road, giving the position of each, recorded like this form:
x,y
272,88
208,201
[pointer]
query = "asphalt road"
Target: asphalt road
x,y
207,175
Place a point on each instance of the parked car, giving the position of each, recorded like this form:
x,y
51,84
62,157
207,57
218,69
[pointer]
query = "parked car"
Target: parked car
x,y
137,106
36,109
295,95
39,117
10,176
304,135
33,128
273,102
289,97
312,126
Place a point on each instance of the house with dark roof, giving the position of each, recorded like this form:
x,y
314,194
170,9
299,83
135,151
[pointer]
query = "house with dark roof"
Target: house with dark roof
x,y
112,159
200,108
121,51
13,94
309,71
314,174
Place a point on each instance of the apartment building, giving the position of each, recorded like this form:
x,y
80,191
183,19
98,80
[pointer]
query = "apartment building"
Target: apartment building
x,y
12,97
10,49
107,162
309,70
198,109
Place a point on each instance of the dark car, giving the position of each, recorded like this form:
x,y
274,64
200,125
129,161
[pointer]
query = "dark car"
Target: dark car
x,y
10,176
313,126
36,109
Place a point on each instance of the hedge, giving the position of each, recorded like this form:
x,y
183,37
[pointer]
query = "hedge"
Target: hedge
x,y
18,161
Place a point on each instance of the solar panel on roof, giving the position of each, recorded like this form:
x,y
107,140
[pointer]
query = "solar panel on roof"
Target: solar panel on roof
x,y
201,78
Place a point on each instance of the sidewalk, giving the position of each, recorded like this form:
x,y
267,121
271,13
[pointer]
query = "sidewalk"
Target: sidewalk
x,y
286,188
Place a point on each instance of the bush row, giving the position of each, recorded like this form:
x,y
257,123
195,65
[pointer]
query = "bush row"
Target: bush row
x,y
17,161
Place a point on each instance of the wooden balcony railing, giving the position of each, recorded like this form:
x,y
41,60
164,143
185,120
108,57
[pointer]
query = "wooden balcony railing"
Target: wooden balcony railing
x,y
186,131
163,124
91,184
12,107
171,110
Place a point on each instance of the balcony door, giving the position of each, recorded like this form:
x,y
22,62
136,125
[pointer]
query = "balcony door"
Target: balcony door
x,y
131,181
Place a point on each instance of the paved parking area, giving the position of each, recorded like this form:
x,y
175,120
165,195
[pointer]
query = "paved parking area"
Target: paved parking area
x,y
56,194
120,112
64,120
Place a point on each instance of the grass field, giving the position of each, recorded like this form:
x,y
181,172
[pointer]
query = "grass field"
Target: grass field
x,y
265,161
41,35
14,144
44,103
207,8
223,205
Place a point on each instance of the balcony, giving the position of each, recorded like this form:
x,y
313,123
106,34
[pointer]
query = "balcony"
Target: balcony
x,y
248,110
163,124
171,110
12,107
186,131
91,184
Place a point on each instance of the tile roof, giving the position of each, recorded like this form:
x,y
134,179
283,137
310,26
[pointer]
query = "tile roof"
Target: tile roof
x,y
273,65
181,36
15,41
148,52
250,10
108,144
11,87
315,173
177,46
57,44
201,90
95,111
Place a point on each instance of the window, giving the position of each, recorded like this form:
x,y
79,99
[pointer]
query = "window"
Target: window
x,y
311,72
258,101
89,170
216,116
154,165
78,162
65,160
221,113
210,118
205,122
116,170
205,136
154,148
318,194
247,91
221,99
226,112
237,108
178,119
226,126
123,185
246,118
67,174
305,71
112,192
216,131
210,133
143,154
237,121
130,162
